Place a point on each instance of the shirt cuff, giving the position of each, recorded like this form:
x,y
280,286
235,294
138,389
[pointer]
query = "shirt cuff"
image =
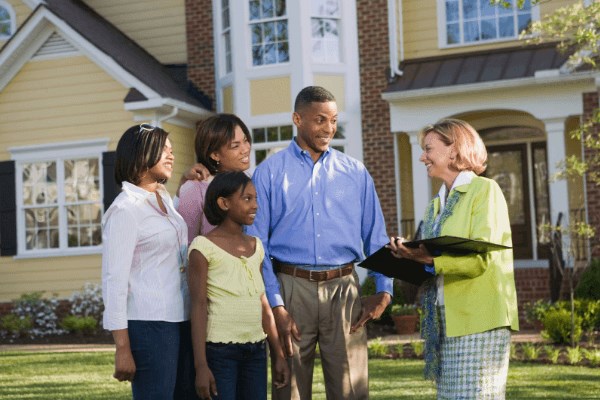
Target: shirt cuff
x,y
384,284
275,300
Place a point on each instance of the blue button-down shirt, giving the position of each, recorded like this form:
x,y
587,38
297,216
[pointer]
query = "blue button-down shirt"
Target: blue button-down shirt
x,y
316,214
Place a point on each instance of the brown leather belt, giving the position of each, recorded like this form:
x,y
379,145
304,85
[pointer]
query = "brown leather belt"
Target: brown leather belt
x,y
313,275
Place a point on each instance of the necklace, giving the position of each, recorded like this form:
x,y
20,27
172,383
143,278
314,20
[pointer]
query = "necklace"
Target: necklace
x,y
182,248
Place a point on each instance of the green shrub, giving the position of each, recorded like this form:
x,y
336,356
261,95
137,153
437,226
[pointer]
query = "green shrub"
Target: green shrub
x,y
418,347
377,348
530,351
513,352
552,353
400,350
404,309
557,326
14,326
589,282
79,325
588,310
593,356
535,311
574,355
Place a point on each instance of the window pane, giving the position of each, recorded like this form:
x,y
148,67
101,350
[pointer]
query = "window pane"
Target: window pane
x,y
283,52
523,21
254,10
453,34
256,33
470,9
506,27
506,10
272,134
286,132
270,55
260,156
280,9
258,135
267,9
471,31
5,28
487,9
4,15
526,5
282,33
488,29
257,55
269,32
452,11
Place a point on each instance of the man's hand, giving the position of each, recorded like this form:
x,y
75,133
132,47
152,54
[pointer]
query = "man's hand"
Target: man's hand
x,y
287,329
124,364
372,308
205,383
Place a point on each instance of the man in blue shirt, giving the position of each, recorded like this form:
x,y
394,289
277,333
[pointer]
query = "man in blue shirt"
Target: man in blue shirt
x,y
318,215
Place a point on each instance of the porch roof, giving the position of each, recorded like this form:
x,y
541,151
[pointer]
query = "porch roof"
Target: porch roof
x,y
477,67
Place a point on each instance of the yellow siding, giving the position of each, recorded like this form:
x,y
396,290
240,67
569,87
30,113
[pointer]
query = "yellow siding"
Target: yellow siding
x,y
573,148
420,27
227,96
60,275
156,25
270,96
182,140
52,101
61,100
335,84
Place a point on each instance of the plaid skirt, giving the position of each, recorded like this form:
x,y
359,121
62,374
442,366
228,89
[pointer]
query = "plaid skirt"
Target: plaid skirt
x,y
473,366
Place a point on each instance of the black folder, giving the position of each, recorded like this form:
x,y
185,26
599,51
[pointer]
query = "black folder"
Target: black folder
x,y
413,272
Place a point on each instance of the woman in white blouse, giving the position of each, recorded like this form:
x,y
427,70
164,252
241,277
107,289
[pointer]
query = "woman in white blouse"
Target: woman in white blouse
x,y
144,284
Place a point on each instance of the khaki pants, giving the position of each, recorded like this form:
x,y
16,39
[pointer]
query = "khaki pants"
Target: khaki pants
x,y
324,312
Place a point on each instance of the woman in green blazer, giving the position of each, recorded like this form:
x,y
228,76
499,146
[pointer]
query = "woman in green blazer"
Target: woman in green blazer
x,y
470,306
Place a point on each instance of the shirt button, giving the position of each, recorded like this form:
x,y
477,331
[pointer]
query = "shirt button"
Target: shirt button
x,y
316,192
318,235
319,257
318,214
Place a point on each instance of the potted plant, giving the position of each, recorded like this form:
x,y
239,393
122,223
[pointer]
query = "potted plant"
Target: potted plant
x,y
405,317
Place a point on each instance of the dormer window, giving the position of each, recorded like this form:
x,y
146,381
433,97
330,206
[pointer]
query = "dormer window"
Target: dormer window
x,y
8,20
476,21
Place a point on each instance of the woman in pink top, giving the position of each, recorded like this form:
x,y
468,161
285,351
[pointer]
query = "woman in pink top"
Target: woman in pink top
x,y
222,144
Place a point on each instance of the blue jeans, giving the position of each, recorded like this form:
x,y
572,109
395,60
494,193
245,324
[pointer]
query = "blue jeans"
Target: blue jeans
x,y
240,370
164,362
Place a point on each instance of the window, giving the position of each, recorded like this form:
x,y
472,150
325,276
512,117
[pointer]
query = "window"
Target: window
x,y
226,34
269,32
472,21
270,140
7,20
325,31
59,200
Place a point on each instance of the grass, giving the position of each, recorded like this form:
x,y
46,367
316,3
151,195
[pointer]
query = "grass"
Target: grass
x,y
81,376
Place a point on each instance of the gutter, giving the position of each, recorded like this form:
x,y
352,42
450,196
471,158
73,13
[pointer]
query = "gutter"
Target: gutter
x,y
393,37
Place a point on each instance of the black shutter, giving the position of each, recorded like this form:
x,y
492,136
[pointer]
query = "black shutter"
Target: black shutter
x,y
8,209
111,189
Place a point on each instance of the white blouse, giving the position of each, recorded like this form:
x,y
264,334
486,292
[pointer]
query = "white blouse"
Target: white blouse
x,y
144,259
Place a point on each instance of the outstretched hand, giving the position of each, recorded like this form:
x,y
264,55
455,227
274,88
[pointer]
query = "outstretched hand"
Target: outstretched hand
x,y
372,308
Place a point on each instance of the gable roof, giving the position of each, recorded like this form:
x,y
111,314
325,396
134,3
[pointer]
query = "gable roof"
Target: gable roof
x,y
477,67
137,69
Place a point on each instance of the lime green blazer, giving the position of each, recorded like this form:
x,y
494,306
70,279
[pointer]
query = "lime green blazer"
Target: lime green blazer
x,y
479,289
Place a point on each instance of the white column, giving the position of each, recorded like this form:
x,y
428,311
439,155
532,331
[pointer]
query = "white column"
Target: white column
x,y
556,151
421,182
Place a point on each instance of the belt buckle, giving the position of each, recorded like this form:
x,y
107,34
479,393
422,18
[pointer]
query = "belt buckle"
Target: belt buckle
x,y
310,275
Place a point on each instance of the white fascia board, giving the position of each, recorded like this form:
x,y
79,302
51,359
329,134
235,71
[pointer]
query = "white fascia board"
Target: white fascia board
x,y
153,104
544,79
36,31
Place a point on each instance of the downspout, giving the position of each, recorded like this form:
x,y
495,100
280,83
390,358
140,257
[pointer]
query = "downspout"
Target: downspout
x,y
158,120
393,37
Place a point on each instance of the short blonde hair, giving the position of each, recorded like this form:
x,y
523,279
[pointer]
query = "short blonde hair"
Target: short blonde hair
x,y
471,154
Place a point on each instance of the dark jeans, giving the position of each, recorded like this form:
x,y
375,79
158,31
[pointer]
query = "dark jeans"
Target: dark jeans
x,y
240,370
164,362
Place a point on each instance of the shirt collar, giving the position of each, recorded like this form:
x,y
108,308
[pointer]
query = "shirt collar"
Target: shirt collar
x,y
300,152
138,192
463,178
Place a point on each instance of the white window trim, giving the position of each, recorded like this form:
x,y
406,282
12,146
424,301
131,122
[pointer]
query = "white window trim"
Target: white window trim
x,y
248,36
60,150
13,19
340,27
441,23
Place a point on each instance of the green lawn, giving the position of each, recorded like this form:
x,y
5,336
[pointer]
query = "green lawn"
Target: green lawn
x,y
80,376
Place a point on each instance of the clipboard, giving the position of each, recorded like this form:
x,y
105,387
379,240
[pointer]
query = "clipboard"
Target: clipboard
x,y
410,271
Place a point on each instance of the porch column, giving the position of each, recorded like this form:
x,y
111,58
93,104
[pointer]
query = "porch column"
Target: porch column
x,y
559,191
421,182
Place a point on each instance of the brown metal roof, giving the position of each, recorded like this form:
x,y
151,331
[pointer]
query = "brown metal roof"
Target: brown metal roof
x,y
478,67
127,53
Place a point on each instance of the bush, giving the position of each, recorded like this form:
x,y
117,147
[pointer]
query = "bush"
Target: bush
x,y
593,356
377,348
557,326
404,309
552,353
535,311
588,310
530,351
589,282
14,327
41,311
79,325
418,347
88,302
574,355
